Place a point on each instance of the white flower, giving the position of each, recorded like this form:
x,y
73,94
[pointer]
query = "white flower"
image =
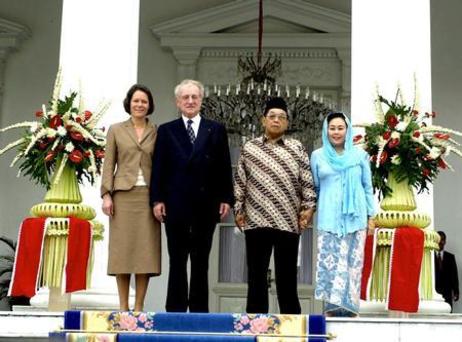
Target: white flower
x,y
98,133
11,145
402,125
395,135
18,125
34,127
435,152
69,147
418,139
447,151
395,160
61,131
66,116
51,133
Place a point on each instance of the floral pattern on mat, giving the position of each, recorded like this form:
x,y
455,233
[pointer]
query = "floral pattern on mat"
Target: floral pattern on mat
x,y
256,324
85,337
131,321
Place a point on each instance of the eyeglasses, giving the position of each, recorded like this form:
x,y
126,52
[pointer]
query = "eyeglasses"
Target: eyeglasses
x,y
273,117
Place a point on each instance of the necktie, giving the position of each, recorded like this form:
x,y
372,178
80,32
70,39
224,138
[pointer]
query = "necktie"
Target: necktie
x,y
190,131
439,260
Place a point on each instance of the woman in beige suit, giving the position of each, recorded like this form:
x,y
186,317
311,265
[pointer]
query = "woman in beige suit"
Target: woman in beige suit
x,y
134,234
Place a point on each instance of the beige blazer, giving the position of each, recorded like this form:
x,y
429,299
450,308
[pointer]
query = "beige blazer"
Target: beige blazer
x,y
125,155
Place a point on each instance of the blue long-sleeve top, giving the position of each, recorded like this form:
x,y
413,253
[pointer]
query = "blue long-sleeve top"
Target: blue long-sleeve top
x,y
328,186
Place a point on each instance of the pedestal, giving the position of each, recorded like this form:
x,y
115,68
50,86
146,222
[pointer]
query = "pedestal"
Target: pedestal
x,y
398,210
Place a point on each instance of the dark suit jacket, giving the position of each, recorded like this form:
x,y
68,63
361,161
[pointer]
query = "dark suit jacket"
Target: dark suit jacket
x,y
446,278
192,180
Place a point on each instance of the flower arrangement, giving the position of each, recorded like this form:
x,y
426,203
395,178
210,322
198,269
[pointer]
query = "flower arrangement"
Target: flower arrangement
x,y
403,143
63,134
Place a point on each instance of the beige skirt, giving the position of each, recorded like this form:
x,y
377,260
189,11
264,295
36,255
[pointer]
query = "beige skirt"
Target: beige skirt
x,y
134,234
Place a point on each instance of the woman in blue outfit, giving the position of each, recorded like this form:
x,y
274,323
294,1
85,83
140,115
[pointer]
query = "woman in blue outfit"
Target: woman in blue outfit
x,y
342,179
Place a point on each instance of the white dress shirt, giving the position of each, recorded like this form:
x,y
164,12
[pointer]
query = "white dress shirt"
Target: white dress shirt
x,y
195,123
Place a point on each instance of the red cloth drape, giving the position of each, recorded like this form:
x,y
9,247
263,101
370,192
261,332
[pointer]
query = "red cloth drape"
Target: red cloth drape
x,y
24,280
29,251
407,254
367,268
78,254
405,266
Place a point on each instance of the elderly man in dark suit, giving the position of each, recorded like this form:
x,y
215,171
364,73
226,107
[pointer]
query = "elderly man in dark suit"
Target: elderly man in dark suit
x,y
191,191
446,277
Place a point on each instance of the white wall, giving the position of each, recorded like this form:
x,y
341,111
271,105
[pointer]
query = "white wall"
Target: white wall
x,y
447,91
28,83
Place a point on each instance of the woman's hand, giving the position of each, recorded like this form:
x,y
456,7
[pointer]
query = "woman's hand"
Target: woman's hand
x,y
239,219
370,226
108,206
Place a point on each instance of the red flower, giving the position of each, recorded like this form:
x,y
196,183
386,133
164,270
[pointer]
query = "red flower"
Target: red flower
x,y
386,135
49,157
357,138
441,136
87,154
78,119
87,114
56,121
99,154
383,157
393,142
39,114
77,136
442,164
425,172
430,115
416,134
417,150
392,121
42,145
76,156
415,112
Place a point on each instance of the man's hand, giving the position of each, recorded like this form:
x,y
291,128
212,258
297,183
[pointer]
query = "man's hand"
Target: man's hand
x,y
159,211
108,206
239,219
304,218
224,210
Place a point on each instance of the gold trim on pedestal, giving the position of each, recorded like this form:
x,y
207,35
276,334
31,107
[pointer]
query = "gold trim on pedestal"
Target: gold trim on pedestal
x,y
395,218
80,211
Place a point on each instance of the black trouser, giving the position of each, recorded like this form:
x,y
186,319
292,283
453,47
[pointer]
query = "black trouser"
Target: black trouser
x,y
194,241
259,245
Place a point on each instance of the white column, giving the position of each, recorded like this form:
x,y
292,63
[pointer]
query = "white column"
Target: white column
x,y
99,50
391,44
391,48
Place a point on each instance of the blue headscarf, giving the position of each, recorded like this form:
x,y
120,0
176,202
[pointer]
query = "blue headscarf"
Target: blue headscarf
x,y
344,163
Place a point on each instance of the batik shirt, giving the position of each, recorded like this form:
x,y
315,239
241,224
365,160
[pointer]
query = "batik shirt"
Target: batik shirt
x,y
273,183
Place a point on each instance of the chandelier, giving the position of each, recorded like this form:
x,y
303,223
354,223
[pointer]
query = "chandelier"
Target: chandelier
x,y
240,107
